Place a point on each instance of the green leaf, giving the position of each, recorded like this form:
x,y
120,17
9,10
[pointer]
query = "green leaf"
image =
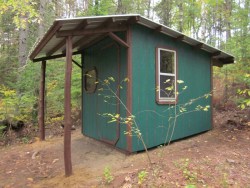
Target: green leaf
x,y
180,81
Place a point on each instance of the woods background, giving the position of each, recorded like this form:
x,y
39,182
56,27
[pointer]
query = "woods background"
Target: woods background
x,y
221,23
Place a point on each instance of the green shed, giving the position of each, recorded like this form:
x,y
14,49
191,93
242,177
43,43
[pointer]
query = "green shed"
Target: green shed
x,y
145,63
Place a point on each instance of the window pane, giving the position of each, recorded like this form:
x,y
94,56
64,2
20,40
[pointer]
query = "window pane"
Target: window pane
x,y
167,86
167,61
90,81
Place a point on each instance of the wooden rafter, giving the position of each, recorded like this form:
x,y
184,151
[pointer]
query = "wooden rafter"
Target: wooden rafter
x,y
216,53
133,20
92,42
180,38
53,57
76,63
80,26
118,39
91,31
57,47
199,46
45,40
159,29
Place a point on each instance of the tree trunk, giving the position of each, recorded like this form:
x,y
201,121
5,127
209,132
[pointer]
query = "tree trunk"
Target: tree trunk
x,y
228,9
41,18
180,25
23,34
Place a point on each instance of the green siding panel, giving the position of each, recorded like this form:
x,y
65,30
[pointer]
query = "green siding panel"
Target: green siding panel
x,y
193,69
104,56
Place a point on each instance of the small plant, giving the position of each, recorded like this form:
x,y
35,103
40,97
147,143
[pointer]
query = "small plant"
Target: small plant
x,y
189,175
224,182
142,177
107,175
25,140
245,93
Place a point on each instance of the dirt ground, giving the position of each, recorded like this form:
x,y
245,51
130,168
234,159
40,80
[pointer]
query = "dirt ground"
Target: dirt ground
x,y
217,158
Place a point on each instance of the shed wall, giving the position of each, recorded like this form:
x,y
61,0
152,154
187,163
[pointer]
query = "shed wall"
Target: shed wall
x,y
105,57
193,69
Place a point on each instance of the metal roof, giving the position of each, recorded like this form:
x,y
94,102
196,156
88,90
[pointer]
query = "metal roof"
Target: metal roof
x,y
88,30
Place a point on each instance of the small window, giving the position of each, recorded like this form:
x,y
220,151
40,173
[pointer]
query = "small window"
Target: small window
x,y
166,76
90,80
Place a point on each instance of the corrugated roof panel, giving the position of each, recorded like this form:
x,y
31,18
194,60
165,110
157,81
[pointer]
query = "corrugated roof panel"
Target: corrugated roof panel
x,y
50,41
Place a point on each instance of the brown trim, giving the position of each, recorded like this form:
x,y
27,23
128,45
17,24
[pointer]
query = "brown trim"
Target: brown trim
x,y
117,39
129,86
85,76
82,105
212,92
90,31
41,108
157,84
50,33
67,108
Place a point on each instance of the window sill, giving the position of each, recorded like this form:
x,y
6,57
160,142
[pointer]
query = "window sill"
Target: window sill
x,y
166,102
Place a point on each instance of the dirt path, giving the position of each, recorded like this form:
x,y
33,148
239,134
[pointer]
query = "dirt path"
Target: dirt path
x,y
218,158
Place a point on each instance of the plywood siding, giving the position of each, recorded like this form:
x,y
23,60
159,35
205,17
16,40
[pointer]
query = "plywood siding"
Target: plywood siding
x,y
110,61
193,69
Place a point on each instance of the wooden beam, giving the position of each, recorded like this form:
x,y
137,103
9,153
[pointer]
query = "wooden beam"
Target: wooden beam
x,y
216,53
77,64
80,26
67,109
159,29
92,42
90,31
41,108
227,60
180,38
117,39
53,57
45,39
199,46
134,20
107,23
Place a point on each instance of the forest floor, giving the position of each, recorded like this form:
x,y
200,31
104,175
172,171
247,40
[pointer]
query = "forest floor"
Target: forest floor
x,y
217,158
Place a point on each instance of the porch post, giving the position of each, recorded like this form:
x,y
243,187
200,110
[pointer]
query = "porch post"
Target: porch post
x,y
41,108
67,108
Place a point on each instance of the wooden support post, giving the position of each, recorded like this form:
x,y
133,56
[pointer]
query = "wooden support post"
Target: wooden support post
x,y
42,102
67,108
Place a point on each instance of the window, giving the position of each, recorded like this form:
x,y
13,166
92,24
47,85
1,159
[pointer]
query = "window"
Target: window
x,y
90,80
166,76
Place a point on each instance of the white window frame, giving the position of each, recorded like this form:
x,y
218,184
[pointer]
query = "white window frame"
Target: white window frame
x,y
166,100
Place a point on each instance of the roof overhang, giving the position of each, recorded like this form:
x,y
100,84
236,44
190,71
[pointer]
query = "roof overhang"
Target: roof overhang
x,y
88,30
